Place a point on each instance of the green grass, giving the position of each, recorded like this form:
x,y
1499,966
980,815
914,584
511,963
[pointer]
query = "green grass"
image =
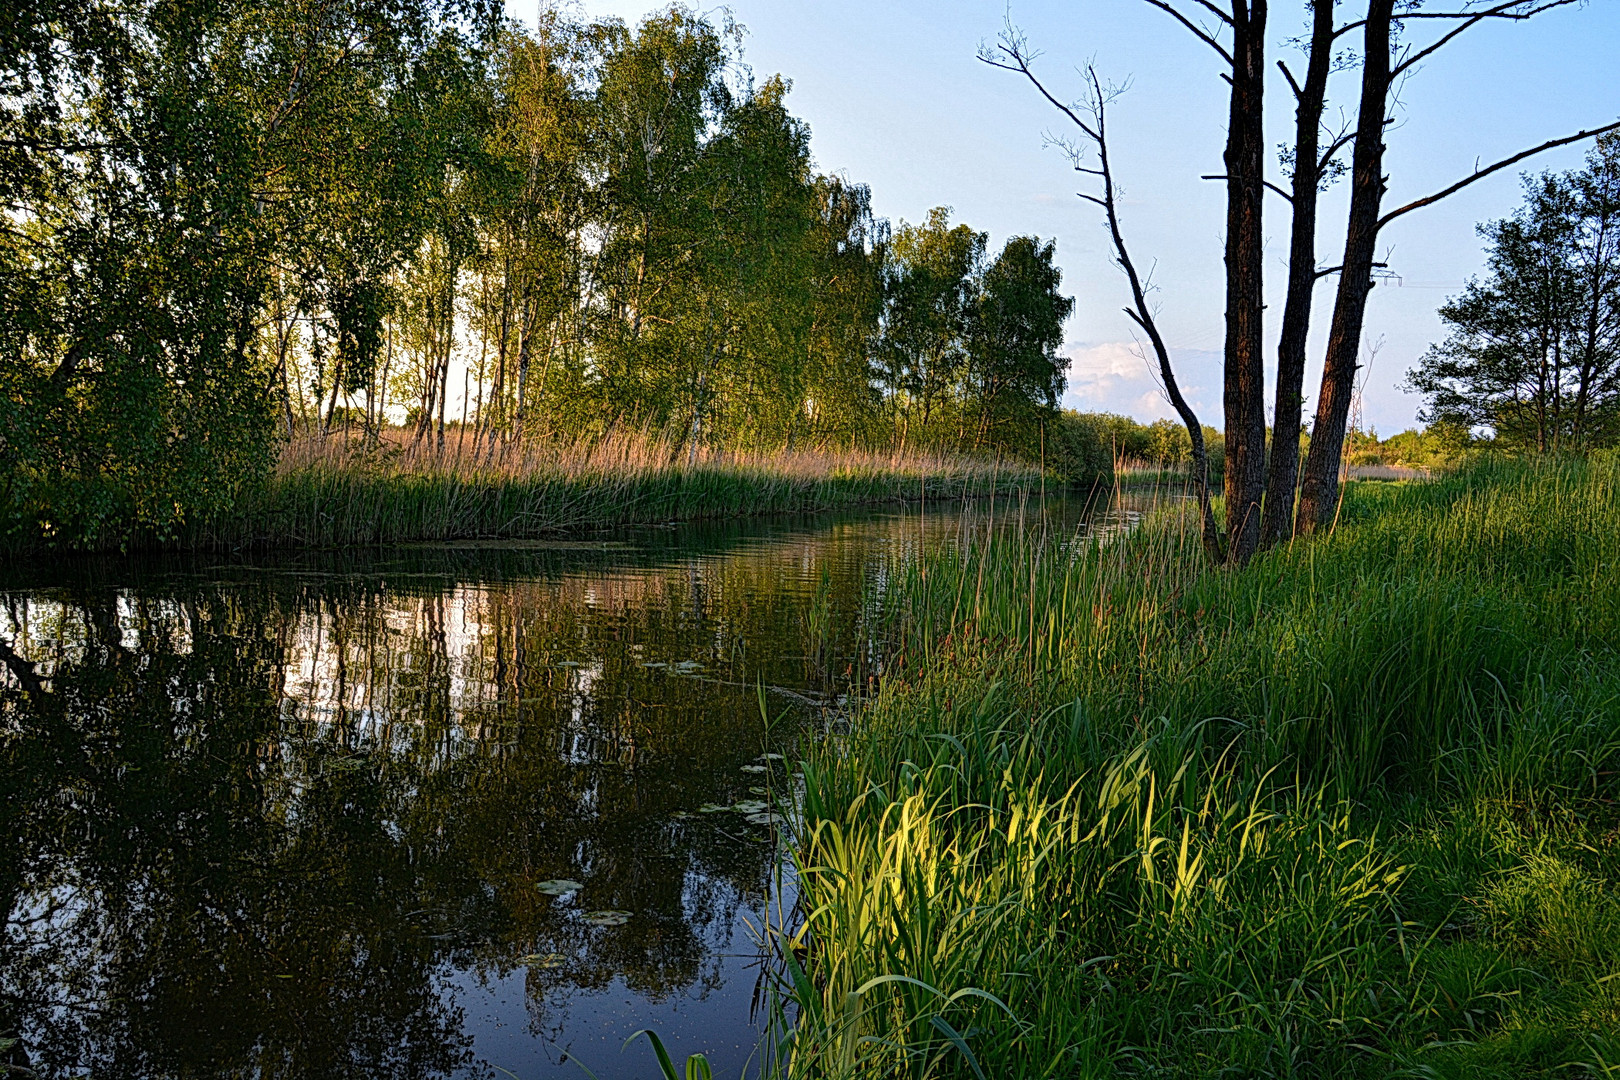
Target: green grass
x,y
1347,812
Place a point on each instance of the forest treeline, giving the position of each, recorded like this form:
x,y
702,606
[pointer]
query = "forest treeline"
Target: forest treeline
x,y
231,222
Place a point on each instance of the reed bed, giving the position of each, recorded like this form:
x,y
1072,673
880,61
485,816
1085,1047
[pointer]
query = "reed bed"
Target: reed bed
x,y
339,492
1348,812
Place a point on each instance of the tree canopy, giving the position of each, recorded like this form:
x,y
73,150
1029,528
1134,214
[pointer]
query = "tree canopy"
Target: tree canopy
x,y
1533,352
230,223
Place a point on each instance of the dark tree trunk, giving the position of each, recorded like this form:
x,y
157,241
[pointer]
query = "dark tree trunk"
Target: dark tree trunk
x,y
1244,397
1282,474
1319,492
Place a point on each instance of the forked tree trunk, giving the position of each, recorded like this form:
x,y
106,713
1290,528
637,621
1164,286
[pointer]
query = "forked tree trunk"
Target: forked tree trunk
x,y
1319,493
1282,473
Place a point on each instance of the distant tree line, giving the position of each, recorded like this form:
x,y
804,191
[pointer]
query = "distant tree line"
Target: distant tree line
x,y
228,223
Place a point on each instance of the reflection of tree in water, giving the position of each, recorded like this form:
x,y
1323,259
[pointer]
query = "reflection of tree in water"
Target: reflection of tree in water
x,y
191,888
250,826
254,819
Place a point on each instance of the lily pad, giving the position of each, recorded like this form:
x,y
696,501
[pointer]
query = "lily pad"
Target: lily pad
x,y
765,819
558,887
712,808
607,917
770,757
756,768
758,791
544,961
751,806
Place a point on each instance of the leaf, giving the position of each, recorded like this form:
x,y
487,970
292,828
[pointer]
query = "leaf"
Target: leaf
x,y
558,886
606,917
543,961
956,1040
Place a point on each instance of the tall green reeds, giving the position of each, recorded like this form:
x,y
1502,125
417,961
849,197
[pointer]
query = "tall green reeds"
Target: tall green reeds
x,y
329,493
1350,811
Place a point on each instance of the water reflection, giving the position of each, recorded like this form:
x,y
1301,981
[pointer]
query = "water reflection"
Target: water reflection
x,y
320,817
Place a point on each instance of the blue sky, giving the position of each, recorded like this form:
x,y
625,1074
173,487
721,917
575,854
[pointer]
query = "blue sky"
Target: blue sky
x,y
895,98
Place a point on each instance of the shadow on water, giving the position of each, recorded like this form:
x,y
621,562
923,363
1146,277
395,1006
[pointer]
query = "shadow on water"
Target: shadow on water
x,y
437,811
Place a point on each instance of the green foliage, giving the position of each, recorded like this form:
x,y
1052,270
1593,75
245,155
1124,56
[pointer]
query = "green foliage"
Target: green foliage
x,y
1345,812
172,170
1100,447
1534,351
232,218
1440,445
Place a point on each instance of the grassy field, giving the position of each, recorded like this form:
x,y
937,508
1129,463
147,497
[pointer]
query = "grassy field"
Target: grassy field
x,y
1349,812
330,492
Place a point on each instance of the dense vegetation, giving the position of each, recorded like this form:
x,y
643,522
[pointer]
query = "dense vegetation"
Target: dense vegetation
x,y
1533,352
230,223
1346,812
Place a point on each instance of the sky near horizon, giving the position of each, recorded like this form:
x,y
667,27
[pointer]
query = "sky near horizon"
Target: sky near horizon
x,y
895,98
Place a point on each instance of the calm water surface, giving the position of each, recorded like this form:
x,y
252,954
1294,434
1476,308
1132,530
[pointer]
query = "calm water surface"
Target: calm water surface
x,y
439,811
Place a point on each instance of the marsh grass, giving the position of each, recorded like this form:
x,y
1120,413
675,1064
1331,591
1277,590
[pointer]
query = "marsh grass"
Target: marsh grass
x,y
340,492
1347,812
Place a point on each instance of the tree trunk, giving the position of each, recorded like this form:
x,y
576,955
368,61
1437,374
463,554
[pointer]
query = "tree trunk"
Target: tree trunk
x,y
1282,474
1245,245
1319,494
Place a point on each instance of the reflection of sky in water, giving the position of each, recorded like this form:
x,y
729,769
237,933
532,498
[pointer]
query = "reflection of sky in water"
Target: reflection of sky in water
x,y
312,799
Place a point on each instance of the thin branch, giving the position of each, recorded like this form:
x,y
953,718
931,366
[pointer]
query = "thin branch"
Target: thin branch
x,y
1495,13
1480,174
1222,176
1289,75
1328,270
1197,31
1501,11
1020,63
1333,148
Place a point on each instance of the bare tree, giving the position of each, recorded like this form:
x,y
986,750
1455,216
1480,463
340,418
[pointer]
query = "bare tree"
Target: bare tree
x,y
1090,116
1237,36
1381,72
1311,166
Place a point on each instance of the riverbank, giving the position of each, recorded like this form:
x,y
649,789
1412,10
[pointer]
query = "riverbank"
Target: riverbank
x,y
334,492
1348,812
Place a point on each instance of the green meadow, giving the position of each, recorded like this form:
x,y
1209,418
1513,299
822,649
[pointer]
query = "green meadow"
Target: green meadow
x,y
1348,811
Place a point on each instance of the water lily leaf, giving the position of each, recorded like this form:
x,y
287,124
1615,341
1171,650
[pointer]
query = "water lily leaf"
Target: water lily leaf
x,y
750,806
712,808
607,918
755,768
558,886
544,961
765,819
770,757
758,791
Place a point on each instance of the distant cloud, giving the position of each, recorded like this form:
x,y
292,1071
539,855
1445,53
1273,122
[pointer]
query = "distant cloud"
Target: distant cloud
x,y
1114,377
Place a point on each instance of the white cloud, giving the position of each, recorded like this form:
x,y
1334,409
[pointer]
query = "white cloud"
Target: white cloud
x,y
1114,377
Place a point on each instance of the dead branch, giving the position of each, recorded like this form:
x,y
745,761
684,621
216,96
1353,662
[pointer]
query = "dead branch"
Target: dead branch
x,y
1480,174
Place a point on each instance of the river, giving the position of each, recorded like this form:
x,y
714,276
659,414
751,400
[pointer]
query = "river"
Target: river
x,y
462,811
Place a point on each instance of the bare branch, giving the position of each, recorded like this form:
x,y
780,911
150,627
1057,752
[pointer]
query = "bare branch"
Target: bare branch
x,y
1197,31
1480,174
1012,47
1289,75
1499,12
1268,183
1326,271
1334,147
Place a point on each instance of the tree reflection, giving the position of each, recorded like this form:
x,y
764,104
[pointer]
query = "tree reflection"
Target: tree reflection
x,y
254,818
